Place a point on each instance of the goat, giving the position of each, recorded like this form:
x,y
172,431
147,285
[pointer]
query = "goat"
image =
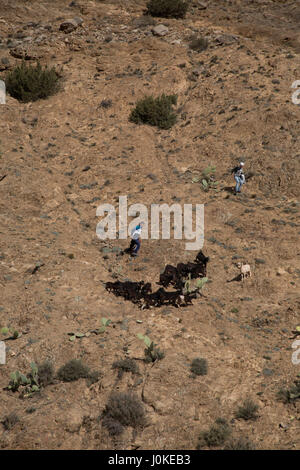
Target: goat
x,y
201,258
175,275
141,293
133,291
245,270
162,297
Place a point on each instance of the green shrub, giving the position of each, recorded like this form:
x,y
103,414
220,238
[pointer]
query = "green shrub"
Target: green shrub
x,y
198,44
199,366
167,8
215,436
247,411
208,178
10,421
155,111
30,83
29,383
73,370
123,409
152,353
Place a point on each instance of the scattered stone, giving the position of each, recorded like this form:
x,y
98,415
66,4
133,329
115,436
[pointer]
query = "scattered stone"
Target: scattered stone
x,y
280,272
160,30
152,177
24,53
259,261
201,5
70,25
267,372
4,64
225,39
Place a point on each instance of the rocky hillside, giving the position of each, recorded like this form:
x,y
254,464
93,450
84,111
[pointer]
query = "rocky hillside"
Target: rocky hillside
x,y
64,156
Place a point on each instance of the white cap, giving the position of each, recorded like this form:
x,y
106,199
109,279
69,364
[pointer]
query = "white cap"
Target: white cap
x,y
242,163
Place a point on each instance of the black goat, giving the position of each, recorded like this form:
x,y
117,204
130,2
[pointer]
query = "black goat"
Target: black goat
x,y
176,275
141,293
133,291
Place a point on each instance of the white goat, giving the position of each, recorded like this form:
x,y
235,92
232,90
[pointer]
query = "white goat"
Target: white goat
x,y
245,270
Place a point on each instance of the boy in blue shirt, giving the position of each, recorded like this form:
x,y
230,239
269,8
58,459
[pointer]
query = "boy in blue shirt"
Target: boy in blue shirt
x,y
136,240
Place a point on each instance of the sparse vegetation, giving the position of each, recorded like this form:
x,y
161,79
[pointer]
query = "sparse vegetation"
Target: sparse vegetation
x,y
199,366
290,395
122,410
29,383
152,353
155,111
125,365
93,377
240,443
30,83
208,179
167,8
235,74
106,103
45,373
10,421
194,285
198,44
11,333
216,436
73,370
234,310
247,411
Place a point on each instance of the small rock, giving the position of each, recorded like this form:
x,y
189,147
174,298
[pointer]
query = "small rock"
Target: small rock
x,y
283,426
280,272
160,30
69,25
201,5
267,372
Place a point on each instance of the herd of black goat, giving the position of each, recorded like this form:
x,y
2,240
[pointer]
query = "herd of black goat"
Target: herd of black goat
x,y
140,293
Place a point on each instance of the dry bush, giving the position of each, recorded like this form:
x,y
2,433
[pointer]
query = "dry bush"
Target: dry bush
x,y
10,421
123,409
216,436
73,370
167,8
125,365
247,411
198,44
199,366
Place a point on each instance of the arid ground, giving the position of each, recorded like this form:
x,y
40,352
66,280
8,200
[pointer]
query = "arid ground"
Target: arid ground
x,y
64,156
